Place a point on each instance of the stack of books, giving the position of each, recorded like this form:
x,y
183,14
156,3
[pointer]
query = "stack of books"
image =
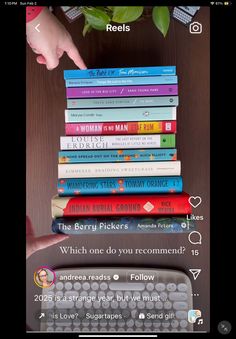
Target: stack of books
x,y
118,168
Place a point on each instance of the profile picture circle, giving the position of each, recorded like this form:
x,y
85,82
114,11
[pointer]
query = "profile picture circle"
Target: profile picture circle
x,y
44,277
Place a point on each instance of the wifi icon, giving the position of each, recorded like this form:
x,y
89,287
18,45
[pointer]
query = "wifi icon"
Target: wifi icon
x,y
212,3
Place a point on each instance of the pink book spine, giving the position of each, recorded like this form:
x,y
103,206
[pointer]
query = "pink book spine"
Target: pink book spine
x,y
121,91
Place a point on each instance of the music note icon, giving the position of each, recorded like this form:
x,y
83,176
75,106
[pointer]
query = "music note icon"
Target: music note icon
x,y
200,321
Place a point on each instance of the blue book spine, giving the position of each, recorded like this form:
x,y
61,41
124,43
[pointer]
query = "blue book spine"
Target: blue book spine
x,y
120,114
103,186
122,155
119,72
115,225
128,81
123,102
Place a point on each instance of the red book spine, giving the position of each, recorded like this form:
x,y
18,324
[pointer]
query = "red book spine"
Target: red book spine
x,y
109,128
159,204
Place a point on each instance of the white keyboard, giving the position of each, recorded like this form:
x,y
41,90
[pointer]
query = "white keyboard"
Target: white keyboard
x,y
117,300
185,14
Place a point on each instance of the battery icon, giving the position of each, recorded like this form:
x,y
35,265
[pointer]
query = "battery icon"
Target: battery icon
x,y
226,3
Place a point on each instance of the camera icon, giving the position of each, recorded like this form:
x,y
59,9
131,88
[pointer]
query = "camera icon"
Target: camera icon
x,y
195,28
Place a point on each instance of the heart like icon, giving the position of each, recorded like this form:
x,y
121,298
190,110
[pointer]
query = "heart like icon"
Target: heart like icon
x,y
195,201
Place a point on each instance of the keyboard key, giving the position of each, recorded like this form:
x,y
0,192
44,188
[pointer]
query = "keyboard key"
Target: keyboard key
x,y
177,296
181,315
156,323
93,295
147,323
171,287
58,329
84,295
59,286
138,323
79,304
88,304
180,305
77,286
63,304
174,323
101,294
96,304
68,286
130,323
105,304
110,295
114,304
117,286
137,296
182,287
165,324
163,296
160,287
141,304
85,322
132,304
183,323
159,305
103,286
94,286
67,329
120,322
123,304
50,329
150,287
72,294
86,286
150,305
167,305
112,323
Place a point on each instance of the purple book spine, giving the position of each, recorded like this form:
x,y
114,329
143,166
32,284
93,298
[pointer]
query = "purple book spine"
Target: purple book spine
x,y
121,91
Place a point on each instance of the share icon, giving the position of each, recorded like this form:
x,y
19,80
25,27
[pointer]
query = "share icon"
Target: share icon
x,y
195,272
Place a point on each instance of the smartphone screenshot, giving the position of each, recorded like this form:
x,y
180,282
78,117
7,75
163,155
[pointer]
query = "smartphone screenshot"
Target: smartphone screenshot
x,y
119,203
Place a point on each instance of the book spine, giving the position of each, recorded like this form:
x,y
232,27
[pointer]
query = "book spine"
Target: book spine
x,y
122,169
128,81
112,225
122,114
126,205
145,185
119,72
140,127
123,155
117,141
121,91
123,102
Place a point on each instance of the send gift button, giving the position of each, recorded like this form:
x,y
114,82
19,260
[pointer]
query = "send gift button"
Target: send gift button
x,y
144,277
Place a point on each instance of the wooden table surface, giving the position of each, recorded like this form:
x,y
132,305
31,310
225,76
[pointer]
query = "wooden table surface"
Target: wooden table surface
x,y
46,101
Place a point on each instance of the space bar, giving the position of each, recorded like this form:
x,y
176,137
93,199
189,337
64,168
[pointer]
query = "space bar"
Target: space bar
x,y
116,286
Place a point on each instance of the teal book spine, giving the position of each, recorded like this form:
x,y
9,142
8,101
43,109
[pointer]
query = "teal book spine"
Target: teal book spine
x,y
123,102
133,185
118,155
119,72
120,114
128,81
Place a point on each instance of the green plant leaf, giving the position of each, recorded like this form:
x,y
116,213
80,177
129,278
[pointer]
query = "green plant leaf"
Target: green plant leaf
x,y
86,29
96,18
161,18
122,14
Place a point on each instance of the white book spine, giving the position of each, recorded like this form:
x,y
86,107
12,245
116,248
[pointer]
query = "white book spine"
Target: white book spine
x,y
117,142
160,168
